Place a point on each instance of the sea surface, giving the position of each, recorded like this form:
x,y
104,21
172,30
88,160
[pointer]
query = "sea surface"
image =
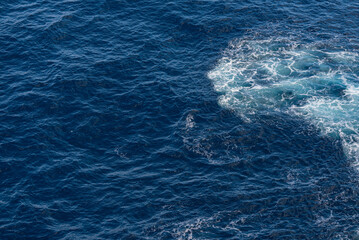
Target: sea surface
x,y
215,119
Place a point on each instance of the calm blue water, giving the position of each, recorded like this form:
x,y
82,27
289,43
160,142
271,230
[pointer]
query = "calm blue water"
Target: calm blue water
x,y
179,120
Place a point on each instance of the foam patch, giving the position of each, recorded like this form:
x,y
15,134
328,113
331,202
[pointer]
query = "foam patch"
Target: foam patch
x,y
314,81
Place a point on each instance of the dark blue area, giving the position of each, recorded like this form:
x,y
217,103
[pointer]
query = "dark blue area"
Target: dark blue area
x,y
110,128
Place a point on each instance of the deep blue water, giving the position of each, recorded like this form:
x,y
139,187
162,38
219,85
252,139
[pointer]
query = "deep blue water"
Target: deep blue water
x,y
179,120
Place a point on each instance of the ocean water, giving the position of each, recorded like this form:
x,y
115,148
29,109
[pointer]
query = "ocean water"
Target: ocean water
x,y
179,120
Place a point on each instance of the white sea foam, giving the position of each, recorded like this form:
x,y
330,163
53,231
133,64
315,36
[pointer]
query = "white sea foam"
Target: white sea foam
x,y
190,123
319,84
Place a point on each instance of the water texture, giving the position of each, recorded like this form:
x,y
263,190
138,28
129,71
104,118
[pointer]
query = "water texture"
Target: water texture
x,y
179,119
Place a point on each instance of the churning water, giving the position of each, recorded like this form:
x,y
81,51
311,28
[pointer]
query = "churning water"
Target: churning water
x,y
316,81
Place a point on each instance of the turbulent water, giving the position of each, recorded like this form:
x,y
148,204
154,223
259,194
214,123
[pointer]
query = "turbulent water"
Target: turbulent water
x,y
179,120
317,81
